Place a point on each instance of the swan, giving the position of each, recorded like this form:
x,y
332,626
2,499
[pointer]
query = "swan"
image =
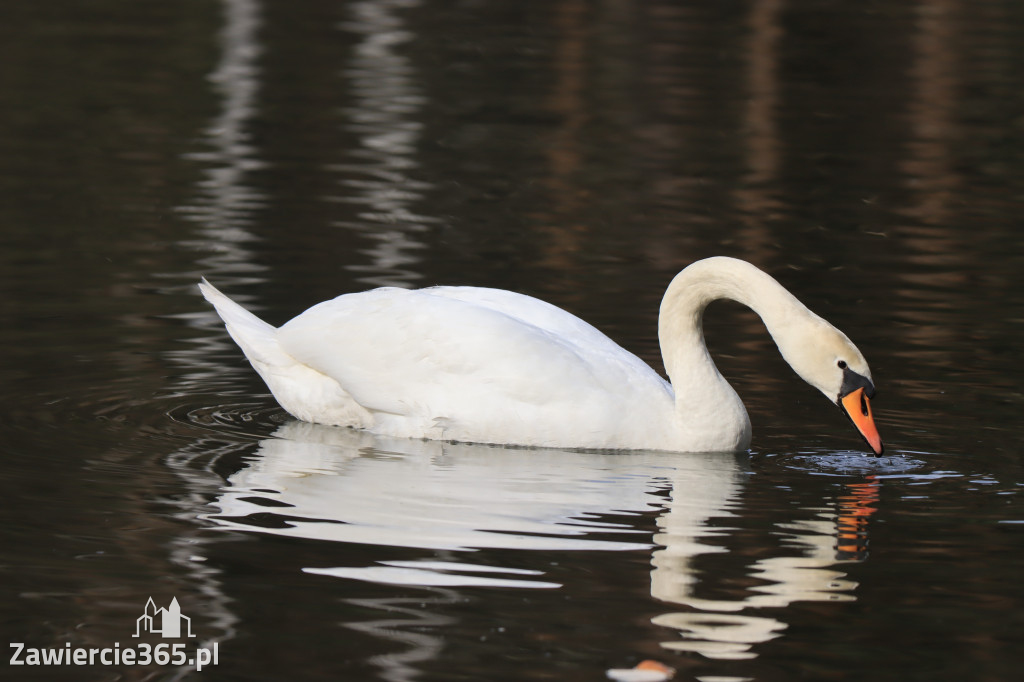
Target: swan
x,y
485,365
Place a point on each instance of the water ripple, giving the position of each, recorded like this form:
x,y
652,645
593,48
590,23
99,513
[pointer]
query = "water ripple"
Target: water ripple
x,y
238,417
847,462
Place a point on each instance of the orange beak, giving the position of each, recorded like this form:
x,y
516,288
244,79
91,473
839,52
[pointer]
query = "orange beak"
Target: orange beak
x,y
858,408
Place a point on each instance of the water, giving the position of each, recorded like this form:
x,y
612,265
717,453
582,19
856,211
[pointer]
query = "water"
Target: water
x,y
867,155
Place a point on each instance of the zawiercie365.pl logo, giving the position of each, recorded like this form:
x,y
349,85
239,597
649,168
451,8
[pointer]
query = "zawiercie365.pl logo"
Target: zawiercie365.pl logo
x,y
168,622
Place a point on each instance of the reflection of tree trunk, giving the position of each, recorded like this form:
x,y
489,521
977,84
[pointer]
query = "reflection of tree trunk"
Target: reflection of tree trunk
x,y
932,104
409,623
929,242
168,558
755,193
564,229
226,200
376,180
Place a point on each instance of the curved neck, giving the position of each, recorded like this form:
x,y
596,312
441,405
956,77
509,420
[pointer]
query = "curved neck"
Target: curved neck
x,y
703,397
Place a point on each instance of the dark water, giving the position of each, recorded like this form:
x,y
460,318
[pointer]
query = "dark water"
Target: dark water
x,y
870,155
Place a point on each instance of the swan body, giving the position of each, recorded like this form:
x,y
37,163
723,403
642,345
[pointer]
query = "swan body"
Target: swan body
x,y
492,366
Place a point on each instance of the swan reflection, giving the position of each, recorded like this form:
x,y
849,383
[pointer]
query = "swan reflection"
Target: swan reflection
x,y
346,486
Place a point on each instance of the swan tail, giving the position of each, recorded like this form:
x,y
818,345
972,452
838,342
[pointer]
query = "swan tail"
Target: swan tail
x,y
304,392
256,338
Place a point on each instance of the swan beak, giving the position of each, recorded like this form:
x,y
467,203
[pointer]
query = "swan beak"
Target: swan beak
x,y
857,407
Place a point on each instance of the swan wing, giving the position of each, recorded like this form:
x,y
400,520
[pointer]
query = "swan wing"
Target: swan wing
x,y
471,364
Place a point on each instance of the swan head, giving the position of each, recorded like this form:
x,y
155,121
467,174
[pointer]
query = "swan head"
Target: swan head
x,y
825,358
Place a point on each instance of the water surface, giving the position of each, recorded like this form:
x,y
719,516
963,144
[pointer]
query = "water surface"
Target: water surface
x,y
868,156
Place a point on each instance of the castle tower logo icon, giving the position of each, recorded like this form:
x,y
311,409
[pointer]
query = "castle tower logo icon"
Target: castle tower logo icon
x,y
164,622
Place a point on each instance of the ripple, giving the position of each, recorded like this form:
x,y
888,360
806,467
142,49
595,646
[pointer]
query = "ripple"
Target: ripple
x,y
846,462
248,418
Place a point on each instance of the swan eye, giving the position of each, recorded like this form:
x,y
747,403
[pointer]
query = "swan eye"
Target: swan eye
x,y
842,364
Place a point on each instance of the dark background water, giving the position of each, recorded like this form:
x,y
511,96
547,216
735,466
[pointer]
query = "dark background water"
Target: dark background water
x,y
869,155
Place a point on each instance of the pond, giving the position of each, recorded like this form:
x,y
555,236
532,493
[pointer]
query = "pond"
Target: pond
x,y
870,156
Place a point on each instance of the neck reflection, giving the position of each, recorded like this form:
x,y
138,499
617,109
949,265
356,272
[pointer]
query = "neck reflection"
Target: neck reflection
x,y
802,555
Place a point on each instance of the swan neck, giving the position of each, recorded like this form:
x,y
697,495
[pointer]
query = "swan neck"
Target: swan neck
x,y
702,393
680,323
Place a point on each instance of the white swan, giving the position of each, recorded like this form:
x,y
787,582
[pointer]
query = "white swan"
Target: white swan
x,y
492,366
